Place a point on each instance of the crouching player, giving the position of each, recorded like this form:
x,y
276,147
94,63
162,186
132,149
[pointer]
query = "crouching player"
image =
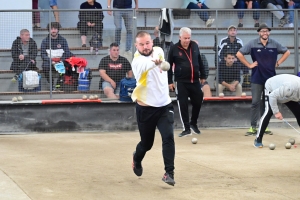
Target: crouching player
x,y
284,88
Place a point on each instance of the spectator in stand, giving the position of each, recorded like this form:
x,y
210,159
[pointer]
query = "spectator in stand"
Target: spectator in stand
x,y
196,4
53,5
24,52
204,86
127,16
292,4
57,42
90,20
247,4
162,44
276,5
229,74
36,15
112,69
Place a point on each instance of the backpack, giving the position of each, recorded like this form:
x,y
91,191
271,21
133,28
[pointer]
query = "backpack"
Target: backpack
x,y
127,86
84,80
96,41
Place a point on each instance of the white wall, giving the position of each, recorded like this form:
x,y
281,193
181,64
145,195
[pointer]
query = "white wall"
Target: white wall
x,y
12,23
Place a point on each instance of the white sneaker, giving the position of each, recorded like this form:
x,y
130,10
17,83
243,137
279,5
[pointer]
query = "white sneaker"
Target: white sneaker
x,y
209,22
291,25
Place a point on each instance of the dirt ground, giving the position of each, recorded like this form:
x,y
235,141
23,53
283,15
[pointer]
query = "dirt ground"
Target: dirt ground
x,y
91,166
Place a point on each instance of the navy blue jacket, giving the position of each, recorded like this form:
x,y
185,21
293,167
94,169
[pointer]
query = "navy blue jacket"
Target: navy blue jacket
x,y
58,43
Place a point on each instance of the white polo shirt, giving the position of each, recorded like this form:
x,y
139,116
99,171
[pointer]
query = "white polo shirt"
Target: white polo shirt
x,y
152,85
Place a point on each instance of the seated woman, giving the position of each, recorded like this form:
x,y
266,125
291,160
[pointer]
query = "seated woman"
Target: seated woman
x,y
247,4
197,4
276,5
90,20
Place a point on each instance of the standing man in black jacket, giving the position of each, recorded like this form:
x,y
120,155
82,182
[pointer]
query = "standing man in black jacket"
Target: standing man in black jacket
x,y
185,55
24,52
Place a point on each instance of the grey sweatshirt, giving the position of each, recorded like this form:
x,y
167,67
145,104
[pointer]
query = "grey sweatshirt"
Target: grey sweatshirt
x,y
282,88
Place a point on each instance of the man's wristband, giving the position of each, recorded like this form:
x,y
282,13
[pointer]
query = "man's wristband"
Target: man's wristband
x,y
108,6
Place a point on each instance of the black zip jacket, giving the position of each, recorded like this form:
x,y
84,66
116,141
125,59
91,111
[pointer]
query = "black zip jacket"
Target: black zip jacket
x,y
16,51
188,64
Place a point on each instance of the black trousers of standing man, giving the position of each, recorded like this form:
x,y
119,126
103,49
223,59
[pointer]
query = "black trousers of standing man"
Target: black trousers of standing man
x,y
183,92
148,119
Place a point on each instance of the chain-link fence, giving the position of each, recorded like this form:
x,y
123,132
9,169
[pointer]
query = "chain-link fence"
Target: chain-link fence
x,y
98,36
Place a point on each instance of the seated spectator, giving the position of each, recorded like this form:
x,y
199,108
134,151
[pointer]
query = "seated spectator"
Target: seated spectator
x,y
204,86
196,4
161,43
53,5
247,4
36,15
113,69
231,43
292,4
90,20
24,52
57,42
229,75
276,5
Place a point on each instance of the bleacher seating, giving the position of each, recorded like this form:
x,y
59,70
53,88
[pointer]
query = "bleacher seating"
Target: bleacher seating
x,y
146,21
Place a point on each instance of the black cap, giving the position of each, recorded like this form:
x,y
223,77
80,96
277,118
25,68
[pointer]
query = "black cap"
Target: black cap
x,y
263,26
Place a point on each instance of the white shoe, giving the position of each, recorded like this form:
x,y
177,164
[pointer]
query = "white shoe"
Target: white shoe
x,y
209,22
291,25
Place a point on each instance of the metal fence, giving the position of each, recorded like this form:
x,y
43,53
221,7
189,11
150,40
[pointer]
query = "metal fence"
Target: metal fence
x,y
90,37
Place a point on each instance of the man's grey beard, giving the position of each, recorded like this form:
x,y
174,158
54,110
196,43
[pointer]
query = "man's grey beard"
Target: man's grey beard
x,y
146,54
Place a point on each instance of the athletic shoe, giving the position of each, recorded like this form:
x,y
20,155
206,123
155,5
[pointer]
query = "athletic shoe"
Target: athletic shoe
x,y
169,179
251,131
137,171
291,25
267,131
256,25
283,21
209,22
195,129
185,133
15,78
240,25
258,144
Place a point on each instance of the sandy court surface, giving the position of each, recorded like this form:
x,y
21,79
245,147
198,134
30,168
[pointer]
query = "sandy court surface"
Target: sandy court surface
x,y
222,165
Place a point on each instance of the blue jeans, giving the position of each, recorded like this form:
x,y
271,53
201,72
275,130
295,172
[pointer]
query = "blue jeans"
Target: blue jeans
x,y
257,106
128,17
291,12
203,15
240,4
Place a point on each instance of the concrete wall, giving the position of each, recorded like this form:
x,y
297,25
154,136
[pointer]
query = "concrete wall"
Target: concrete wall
x,y
27,117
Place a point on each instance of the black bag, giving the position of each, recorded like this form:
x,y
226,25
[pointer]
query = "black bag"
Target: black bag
x,y
96,40
181,13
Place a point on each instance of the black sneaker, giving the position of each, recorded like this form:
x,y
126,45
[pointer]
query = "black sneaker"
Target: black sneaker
x,y
240,25
169,179
136,170
195,129
185,133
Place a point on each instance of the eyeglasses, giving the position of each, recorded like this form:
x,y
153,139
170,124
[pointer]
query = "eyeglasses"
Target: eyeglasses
x,y
265,31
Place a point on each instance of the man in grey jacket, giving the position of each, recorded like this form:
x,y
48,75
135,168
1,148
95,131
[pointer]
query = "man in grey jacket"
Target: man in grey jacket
x,y
284,88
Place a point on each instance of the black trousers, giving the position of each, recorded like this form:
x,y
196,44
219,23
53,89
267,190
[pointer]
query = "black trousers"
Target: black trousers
x,y
148,118
84,28
265,119
183,92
